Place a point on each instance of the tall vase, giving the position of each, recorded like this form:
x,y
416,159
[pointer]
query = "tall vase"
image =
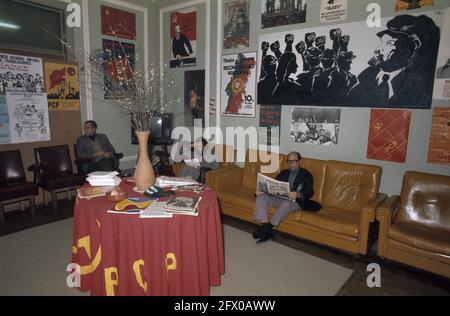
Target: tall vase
x,y
144,176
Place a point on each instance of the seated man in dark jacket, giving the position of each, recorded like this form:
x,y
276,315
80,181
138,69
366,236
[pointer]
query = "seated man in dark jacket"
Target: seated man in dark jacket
x,y
301,187
97,148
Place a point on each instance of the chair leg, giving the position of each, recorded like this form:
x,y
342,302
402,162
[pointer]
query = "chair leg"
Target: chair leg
x,y
32,206
2,215
54,202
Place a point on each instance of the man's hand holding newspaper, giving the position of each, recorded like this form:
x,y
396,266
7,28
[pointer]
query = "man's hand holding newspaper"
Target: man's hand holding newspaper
x,y
274,187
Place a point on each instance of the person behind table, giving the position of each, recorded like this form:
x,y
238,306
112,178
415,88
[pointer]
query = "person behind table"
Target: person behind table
x,y
301,190
198,149
98,148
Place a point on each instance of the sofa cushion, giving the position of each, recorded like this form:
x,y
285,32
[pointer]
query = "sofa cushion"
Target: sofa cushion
x,y
349,186
425,200
253,165
334,220
241,195
426,238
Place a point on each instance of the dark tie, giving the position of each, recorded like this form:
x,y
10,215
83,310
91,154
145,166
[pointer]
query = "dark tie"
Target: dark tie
x,y
384,87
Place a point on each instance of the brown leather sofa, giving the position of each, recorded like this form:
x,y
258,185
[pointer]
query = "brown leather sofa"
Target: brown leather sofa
x,y
348,193
415,226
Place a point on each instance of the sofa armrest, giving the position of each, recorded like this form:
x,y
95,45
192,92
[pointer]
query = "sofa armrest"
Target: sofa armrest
x,y
385,214
387,210
370,209
211,175
368,214
231,177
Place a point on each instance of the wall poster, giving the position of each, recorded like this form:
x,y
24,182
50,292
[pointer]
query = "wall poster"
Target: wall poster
x,y
333,10
269,125
21,73
352,64
194,97
439,147
282,12
401,5
62,86
236,24
317,126
118,23
239,84
183,38
28,117
442,82
388,135
118,64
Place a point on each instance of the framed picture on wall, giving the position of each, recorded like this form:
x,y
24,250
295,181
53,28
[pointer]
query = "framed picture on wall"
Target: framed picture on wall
x,y
282,12
118,23
238,92
236,24
194,97
183,38
62,86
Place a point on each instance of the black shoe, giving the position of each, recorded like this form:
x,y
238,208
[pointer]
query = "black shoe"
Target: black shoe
x,y
257,234
265,237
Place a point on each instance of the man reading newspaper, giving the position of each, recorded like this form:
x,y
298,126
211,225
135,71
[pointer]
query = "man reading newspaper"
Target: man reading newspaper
x,y
298,197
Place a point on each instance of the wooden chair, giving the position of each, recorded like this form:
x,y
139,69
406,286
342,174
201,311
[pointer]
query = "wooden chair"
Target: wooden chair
x,y
13,183
53,171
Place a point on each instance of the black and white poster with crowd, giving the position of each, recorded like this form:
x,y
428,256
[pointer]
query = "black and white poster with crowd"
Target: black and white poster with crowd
x,y
316,126
21,73
391,66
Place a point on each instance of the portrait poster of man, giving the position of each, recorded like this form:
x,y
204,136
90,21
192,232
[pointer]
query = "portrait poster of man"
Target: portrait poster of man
x,y
388,135
239,84
351,64
401,5
439,147
21,73
442,82
118,23
282,12
183,38
62,86
236,28
118,65
316,126
194,96
28,117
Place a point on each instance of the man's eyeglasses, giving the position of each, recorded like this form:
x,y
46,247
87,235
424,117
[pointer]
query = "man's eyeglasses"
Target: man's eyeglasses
x,y
292,161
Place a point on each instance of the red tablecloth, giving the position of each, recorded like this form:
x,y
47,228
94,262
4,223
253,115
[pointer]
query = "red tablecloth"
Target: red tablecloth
x,y
122,254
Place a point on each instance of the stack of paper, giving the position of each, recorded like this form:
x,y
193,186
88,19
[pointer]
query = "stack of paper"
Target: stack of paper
x,y
165,182
103,178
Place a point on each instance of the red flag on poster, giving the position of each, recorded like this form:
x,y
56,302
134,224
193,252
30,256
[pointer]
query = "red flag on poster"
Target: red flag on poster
x,y
57,77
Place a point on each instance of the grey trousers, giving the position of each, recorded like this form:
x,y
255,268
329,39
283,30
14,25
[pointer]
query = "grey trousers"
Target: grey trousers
x,y
265,201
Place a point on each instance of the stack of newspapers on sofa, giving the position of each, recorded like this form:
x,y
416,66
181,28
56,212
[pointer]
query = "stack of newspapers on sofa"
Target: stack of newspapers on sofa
x,y
103,178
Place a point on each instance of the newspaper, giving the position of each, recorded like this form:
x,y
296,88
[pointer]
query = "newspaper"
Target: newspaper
x,y
194,163
155,210
273,187
165,181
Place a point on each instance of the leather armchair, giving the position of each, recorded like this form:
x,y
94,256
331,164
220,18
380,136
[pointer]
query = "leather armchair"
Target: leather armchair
x,y
415,226
13,184
53,171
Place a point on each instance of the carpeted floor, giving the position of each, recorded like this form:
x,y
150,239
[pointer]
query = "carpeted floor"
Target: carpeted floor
x,y
33,262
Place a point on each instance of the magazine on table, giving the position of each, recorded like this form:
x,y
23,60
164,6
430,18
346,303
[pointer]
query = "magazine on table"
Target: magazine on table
x,y
273,187
191,188
155,210
183,204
